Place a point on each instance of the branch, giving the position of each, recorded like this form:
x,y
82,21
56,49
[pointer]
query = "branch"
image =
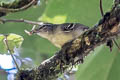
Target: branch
x,y
3,21
6,42
22,7
19,6
73,52
101,8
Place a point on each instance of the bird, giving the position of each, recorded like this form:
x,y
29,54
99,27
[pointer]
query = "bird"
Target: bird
x,y
59,34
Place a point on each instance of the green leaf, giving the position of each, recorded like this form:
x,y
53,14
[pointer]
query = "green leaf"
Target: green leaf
x,y
14,41
56,20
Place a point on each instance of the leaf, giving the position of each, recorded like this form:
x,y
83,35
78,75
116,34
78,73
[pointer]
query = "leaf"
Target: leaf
x,y
14,41
56,20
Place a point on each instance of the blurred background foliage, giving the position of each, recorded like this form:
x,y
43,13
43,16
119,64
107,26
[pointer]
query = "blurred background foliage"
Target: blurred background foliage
x,y
100,65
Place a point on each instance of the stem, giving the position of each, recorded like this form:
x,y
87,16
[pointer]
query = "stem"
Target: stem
x,y
6,42
101,8
116,44
19,9
22,21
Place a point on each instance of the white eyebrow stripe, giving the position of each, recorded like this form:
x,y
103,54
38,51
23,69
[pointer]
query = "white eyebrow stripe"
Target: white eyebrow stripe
x,y
69,27
73,25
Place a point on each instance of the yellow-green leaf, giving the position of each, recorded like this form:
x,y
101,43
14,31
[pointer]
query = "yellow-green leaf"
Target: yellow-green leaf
x,y
14,41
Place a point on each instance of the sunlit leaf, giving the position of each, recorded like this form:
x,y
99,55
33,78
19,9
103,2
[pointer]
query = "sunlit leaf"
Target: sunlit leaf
x,y
56,19
14,41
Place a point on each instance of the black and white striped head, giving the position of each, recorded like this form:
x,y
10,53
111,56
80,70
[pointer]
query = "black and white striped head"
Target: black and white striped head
x,y
75,29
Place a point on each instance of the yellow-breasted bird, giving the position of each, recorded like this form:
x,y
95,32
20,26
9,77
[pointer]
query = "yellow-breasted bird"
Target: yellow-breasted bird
x,y
59,34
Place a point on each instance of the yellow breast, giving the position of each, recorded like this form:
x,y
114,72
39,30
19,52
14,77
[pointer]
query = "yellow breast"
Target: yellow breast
x,y
60,39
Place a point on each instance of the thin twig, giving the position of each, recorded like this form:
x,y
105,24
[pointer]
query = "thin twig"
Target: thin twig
x,y
19,9
6,42
101,8
21,21
116,44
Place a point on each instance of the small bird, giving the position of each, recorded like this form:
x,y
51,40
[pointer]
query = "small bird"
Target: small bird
x,y
59,34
